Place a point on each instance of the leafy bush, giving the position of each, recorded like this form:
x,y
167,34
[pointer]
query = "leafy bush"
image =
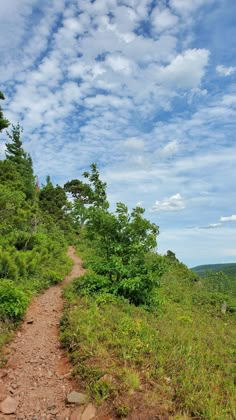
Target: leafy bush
x,y
8,268
91,283
53,277
136,289
13,301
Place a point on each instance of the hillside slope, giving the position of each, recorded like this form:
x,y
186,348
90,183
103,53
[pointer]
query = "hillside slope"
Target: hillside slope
x,y
173,359
229,269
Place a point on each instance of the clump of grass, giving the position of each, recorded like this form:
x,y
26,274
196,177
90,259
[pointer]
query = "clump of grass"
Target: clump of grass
x,y
122,410
131,380
6,330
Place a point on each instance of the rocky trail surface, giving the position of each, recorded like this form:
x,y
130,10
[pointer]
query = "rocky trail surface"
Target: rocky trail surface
x,y
35,383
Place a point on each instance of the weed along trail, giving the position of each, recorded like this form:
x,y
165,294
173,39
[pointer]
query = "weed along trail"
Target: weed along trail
x,y
35,382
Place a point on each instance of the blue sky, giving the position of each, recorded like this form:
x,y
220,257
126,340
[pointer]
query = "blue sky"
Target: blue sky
x,y
147,90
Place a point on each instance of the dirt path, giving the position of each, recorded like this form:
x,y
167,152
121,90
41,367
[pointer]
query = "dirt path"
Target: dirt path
x,y
37,372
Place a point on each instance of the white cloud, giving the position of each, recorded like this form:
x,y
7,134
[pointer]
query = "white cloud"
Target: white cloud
x,y
173,203
187,6
163,19
107,101
228,218
229,100
169,149
119,64
186,70
225,71
211,226
134,143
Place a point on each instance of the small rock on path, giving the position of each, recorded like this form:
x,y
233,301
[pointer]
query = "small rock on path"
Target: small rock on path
x,y
9,405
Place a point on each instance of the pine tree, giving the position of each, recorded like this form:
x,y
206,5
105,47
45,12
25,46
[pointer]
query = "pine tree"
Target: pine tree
x,y
22,160
53,201
4,123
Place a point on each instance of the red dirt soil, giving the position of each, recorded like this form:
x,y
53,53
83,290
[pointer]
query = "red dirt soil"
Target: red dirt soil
x,y
37,374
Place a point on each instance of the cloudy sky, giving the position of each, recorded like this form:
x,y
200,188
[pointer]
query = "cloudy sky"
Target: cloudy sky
x,y
145,88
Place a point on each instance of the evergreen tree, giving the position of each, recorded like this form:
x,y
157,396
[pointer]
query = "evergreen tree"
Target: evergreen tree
x,y
4,123
22,160
53,201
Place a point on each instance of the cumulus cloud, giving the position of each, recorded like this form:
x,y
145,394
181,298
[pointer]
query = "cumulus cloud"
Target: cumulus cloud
x,y
186,70
119,64
163,19
225,71
228,218
173,203
183,6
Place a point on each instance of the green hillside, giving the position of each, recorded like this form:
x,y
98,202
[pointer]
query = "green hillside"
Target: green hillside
x,y
229,269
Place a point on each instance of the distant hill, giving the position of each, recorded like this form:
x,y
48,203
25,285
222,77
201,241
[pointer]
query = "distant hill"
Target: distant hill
x,y
229,269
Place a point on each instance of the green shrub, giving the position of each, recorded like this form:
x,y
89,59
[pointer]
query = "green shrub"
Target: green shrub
x,y
13,301
8,268
53,277
91,283
137,289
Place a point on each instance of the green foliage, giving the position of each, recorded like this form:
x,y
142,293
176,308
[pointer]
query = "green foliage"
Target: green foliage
x,y
87,197
53,201
177,359
13,301
8,268
220,282
56,208
79,190
91,283
34,229
9,176
4,123
22,161
97,188
123,241
11,204
101,391
228,269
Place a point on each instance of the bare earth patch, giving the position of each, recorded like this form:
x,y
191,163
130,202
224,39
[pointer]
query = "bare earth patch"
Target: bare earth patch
x,y
37,374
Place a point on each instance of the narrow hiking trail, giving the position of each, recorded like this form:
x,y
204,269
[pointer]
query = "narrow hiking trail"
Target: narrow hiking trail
x,y
36,376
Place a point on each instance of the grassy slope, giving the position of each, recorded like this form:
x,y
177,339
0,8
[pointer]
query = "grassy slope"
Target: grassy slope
x,y
228,269
177,359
